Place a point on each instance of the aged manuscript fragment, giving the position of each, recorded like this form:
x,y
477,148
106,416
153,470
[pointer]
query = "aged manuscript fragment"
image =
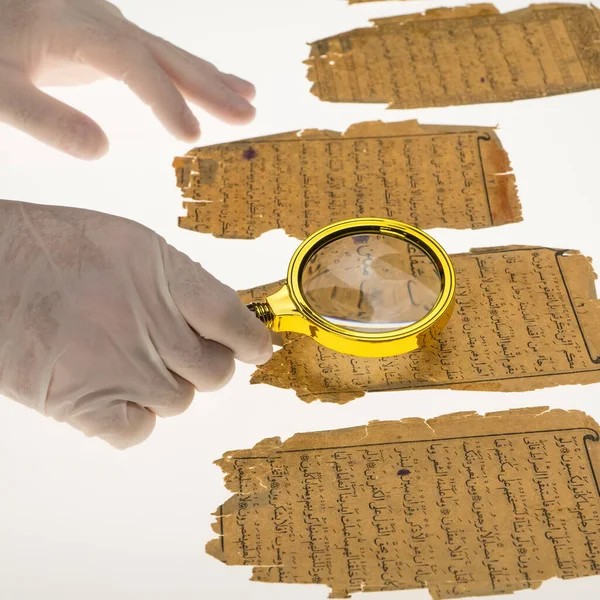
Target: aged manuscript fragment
x,y
425,175
525,318
462,504
469,55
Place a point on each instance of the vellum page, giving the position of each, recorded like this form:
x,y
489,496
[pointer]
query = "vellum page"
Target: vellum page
x,y
467,55
462,504
424,175
525,318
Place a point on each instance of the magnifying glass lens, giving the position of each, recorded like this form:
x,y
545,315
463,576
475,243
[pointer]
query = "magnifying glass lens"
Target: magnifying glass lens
x,y
370,283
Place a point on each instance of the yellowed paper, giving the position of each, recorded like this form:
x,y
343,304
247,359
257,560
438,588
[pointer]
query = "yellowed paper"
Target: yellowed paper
x,y
525,318
453,56
425,175
463,505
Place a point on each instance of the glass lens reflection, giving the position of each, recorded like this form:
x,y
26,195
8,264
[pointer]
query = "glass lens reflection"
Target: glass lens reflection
x,y
370,283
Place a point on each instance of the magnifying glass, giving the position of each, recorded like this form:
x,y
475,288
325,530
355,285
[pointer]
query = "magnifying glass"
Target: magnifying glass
x,y
365,287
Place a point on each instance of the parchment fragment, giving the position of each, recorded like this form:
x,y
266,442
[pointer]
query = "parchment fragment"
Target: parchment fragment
x,y
525,318
462,504
425,175
467,55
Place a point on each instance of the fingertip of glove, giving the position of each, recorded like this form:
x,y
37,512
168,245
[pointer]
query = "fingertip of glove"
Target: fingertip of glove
x,y
247,115
260,358
98,152
249,94
243,87
263,343
90,145
190,134
263,358
134,428
241,113
192,126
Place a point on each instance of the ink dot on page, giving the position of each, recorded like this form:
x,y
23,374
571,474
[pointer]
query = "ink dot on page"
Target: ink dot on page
x,y
402,472
483,80
249,153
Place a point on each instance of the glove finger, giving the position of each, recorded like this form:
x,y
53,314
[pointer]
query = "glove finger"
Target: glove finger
x,y
203,364
128,61
244,88
25,107
214,310
202,82
169,395
120,423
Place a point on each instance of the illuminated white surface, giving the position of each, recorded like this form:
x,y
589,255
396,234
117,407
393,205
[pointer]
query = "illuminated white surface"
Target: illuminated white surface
x,y
80,520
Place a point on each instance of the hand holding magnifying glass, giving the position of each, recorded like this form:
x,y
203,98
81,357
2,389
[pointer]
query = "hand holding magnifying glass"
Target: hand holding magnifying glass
x,y
367,287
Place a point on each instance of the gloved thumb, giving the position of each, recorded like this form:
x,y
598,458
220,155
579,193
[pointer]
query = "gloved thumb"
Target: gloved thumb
x,y
214,310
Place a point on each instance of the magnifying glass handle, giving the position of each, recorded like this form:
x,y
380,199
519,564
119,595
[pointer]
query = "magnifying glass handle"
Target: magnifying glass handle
x,y
263,312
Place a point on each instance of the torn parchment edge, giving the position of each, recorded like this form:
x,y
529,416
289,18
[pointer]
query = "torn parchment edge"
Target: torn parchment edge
x,y
433,14
579,282
518,420
498,175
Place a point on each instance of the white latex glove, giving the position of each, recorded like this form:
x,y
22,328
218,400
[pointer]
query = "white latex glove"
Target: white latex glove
x,y
103,325
49,42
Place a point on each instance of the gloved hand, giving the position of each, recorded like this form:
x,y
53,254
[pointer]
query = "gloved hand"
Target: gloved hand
x,y
103,325
48,42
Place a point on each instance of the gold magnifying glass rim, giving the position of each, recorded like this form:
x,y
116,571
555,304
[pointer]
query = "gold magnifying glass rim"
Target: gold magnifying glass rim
x,y
437,316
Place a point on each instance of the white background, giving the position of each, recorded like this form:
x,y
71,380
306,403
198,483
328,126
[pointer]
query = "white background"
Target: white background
x,y
80,520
